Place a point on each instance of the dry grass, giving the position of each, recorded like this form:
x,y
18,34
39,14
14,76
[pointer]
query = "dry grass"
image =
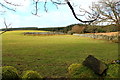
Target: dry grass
x,y
108,34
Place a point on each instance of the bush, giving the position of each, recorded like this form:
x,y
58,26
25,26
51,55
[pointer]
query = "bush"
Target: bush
x,y
70,32
80,71
9,73
112,71
31,75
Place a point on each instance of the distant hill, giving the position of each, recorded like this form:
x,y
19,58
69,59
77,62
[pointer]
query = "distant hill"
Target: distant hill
x,y
88,28
21,28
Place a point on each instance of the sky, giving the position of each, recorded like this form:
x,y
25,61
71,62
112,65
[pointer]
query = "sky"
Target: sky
x,y
23,16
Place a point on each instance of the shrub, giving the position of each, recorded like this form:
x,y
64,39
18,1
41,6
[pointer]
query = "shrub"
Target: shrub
x,y
112,71
9,73
80,71
31,75
70,32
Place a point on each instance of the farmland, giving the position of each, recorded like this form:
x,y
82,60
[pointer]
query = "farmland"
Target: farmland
x,y
51,55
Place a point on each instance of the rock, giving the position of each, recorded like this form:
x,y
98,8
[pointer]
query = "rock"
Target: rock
x,y
115,61
96,65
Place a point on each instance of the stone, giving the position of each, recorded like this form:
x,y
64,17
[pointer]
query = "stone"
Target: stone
x,y
96,65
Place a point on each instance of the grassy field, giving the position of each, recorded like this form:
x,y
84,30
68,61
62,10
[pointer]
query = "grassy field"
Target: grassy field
x,y
51,55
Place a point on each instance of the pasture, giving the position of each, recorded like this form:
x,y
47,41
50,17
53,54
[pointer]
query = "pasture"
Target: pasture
x,y
51,55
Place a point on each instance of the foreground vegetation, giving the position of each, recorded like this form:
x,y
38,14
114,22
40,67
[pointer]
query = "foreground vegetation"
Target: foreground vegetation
x,y
74,71
51,55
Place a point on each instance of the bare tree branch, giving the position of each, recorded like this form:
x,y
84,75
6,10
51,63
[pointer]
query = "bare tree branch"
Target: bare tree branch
x,y
36,7
56,3
59,2
45,5
7,7
45,8
6,27
86,12
72,9
11,3
109,11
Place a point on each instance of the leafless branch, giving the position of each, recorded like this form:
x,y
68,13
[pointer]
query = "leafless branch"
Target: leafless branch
x,y
45,5
72,9
11,3
6,27
58,3
45,8
85,12
36,7
7,7
108,10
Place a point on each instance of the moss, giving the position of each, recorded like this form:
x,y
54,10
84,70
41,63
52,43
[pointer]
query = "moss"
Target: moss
x,y
31,75
80,71
9,73
112,71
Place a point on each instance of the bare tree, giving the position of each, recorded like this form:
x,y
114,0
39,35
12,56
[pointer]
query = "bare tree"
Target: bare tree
x,y
6,27
109,11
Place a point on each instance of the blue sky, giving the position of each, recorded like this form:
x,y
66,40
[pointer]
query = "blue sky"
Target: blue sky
x,y
53,18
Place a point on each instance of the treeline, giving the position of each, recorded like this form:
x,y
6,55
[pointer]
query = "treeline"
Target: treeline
x,y
22,28
54,29
99,29
95,28
88,28
61,29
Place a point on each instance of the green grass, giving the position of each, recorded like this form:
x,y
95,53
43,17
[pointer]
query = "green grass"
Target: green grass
x,y
51,55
